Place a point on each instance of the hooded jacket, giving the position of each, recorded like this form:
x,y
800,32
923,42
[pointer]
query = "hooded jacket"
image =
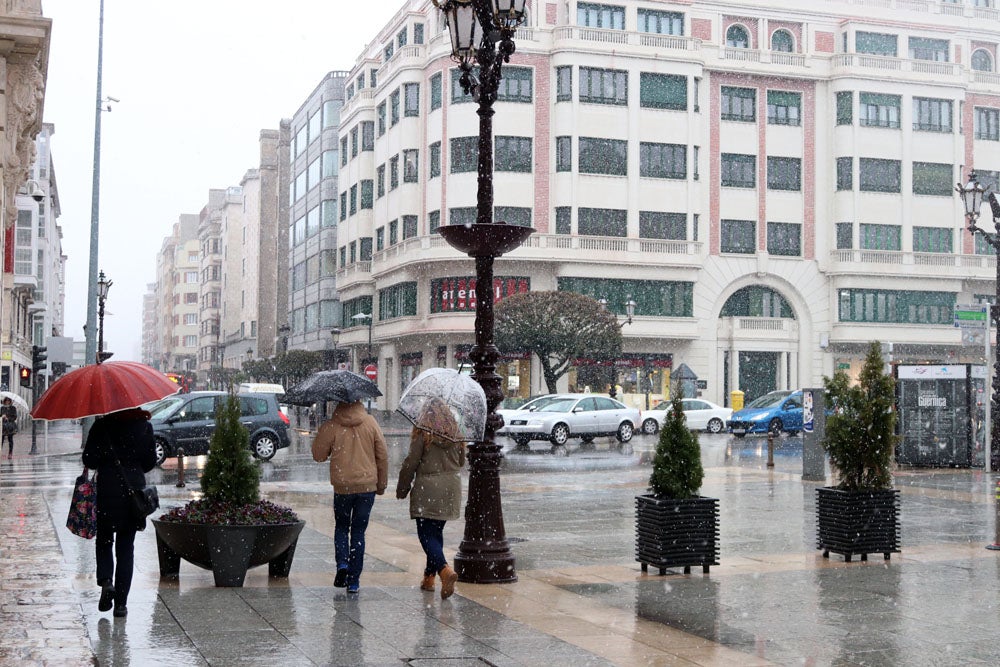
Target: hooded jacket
x,y
355,446
432,470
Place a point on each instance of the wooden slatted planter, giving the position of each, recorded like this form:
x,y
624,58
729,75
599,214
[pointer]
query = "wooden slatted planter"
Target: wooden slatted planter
x,y
857,522
676,533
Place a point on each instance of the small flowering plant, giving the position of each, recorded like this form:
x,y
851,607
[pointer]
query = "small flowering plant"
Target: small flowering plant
x,y
231,481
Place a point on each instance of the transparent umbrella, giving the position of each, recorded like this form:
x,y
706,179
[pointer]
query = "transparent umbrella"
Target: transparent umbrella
x,y
423,399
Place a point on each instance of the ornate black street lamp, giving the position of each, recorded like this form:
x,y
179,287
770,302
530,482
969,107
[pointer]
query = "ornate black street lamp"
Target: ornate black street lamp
x,y
482,34
335,337
972,194
630,305
103,285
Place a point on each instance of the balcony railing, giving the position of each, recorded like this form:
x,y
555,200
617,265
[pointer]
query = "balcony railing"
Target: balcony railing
x,y
891,64
623,37
900,258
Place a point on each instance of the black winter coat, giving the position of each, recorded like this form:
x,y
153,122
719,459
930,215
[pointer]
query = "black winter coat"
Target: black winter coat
x,y
130,440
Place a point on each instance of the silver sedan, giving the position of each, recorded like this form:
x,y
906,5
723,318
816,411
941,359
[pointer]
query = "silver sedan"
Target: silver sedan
x,y
565,416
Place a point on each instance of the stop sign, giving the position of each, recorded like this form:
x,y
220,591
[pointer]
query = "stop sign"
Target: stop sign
x,y
371,372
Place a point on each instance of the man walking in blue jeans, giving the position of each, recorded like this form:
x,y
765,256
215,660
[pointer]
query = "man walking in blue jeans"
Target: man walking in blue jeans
x,y
359,470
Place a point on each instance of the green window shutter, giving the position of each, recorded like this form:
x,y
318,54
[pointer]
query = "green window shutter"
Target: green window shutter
x,y
663,91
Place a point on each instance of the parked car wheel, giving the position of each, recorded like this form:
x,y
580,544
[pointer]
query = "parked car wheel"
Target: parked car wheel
x,y
560,434
265,447
775,426
650,426
715,426
625,432
160,446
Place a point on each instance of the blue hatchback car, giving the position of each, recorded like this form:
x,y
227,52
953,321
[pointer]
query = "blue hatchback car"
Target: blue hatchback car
x,y
773,412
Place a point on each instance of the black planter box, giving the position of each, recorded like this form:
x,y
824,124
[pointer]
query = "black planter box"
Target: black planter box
x,y
857,522
676,533
228,551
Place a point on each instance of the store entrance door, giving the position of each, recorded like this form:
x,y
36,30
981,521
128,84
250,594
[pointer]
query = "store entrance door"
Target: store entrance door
x,y
758,374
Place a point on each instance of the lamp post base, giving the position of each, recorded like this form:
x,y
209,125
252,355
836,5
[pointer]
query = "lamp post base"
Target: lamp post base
x,y
486,568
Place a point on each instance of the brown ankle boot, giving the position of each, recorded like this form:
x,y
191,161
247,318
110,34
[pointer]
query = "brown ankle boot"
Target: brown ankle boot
x,y
428,583
448,579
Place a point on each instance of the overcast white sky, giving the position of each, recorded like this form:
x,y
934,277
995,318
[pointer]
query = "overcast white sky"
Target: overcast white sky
x,y
197,80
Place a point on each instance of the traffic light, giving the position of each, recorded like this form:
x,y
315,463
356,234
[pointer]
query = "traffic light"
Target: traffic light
x,y
38,358
25,376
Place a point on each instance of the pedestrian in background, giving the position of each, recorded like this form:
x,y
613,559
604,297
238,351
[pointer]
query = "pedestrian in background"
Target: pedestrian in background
x,y
120,447
430,476
8,415
359,470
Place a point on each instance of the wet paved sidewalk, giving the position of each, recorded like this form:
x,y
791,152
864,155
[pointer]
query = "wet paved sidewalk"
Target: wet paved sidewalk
x,y
580,599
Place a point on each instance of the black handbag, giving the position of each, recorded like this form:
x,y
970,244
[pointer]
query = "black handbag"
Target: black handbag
x,y
141,502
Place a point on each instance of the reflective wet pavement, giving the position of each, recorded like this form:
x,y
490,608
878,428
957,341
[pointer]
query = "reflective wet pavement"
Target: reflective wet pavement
x,y
580,599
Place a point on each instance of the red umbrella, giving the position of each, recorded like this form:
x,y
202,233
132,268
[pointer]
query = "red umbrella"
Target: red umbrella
x,y
102,388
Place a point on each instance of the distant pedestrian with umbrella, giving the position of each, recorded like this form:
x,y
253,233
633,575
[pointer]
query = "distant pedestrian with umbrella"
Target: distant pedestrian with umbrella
x,y
447,410
8,415
120,447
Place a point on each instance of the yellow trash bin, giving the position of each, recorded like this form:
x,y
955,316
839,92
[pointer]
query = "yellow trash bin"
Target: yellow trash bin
x,y
736,400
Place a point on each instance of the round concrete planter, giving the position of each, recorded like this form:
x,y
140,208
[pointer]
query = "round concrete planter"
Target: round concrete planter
x,y
228,551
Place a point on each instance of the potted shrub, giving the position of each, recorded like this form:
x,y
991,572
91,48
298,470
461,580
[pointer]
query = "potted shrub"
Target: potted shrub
x,y
675,526
230,529
861,514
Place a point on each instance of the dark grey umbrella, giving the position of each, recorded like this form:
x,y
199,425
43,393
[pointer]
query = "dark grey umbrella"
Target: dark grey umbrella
x,y
339,386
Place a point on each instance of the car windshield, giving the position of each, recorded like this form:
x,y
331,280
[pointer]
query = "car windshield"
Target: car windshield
x,y
557,405
163,406
768,400
538,403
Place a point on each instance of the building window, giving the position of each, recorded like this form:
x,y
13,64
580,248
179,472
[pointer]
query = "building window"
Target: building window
x,y
367,135
433,221
982,60
654,298
845,107
393,232
694,162
782,41
388,51
564,222
367,195
564,153
373,77
401,38
932,239
739,104
845,235
465,215
354,199
436,91
896,307
663,226
343,151
343,257
411,99
603,86
930,115
409,226
411,159
784,238
435,159
662,160
602,222
458,95
603,156
661,23
845,173
663,91
880,237
922,48
380,180
380,118
512,154
393,172
418,33
400,300
878,175
879,110
516,85
564,84
981,247
739,171
932,178
784,173
784,108
394,107
738,236
987,124
600,16
379,239
343,206
354,141
737,37
331,113
464,155
875,43
513,215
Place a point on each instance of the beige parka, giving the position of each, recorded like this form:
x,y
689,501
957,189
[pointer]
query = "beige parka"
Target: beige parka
x,y
430,475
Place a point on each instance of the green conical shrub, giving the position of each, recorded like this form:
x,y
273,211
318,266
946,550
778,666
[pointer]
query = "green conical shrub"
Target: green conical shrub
x,y
677,469
231,475
860,433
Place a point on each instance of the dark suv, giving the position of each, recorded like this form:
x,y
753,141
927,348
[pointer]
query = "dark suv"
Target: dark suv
x,y
188,420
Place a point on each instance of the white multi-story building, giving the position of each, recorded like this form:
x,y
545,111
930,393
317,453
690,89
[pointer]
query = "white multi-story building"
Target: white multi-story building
x,y
770,181
176,318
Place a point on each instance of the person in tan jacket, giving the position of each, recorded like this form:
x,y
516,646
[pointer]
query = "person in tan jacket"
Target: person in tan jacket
x,y
359,470
430,475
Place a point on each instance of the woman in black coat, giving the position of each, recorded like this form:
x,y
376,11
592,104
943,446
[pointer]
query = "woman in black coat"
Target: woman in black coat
x,y
8,418
127,437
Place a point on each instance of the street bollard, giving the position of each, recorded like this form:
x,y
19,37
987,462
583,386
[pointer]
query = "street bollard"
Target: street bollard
x,y
996,529
180,468
770,449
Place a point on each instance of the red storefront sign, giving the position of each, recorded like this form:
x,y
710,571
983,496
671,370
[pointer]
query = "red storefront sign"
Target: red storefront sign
x,y
456,295
649,361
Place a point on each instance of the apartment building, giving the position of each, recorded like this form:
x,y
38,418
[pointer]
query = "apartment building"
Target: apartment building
x,y
175,323
771,182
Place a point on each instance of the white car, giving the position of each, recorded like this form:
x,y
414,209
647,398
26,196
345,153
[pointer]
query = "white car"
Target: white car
x,y
701,415
559,417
